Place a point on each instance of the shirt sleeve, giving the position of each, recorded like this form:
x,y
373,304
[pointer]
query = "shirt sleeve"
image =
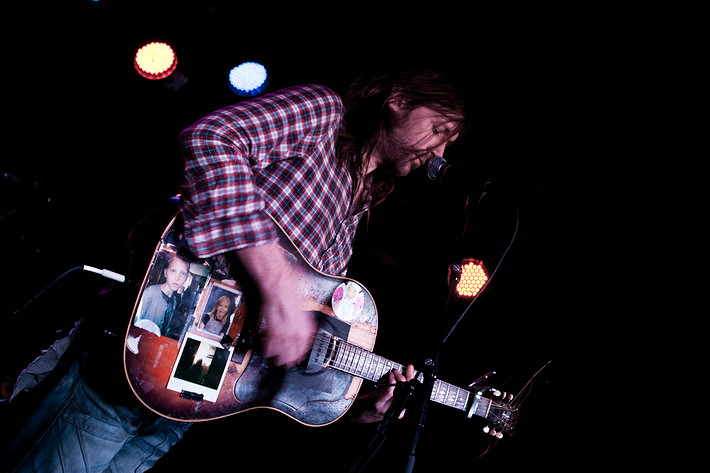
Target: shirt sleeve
x,y
222,206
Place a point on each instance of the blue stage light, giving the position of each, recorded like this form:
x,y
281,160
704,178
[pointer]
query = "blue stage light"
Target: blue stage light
x,y
248,79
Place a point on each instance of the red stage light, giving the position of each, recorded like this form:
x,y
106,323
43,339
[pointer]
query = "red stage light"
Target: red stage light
x,y
473,278
155,61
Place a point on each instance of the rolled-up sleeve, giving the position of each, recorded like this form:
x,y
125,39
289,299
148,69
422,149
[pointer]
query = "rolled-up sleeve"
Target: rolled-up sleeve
x,y
222,205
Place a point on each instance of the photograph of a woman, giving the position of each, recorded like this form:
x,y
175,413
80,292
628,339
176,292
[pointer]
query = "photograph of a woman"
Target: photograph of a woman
x,y
217,320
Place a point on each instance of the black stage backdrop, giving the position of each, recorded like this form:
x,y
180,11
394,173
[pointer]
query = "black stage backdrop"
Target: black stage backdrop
x,y
91,150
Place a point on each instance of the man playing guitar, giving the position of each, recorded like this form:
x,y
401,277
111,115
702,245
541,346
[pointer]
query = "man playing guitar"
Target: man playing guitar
x,y
314,163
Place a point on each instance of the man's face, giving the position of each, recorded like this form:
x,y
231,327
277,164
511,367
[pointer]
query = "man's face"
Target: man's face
x,y
416,135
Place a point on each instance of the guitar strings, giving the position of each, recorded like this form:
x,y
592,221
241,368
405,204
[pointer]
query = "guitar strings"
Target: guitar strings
x,y
352,358
363,363
359,361
517,401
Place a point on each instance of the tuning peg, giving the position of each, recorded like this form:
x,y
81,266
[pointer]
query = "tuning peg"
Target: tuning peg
x,y
496,393
492,432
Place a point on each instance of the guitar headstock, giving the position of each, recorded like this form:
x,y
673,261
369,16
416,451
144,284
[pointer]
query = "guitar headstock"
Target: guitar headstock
x,y
498,408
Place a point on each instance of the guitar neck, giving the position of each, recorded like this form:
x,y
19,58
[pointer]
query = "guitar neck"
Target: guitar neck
x,y
356,361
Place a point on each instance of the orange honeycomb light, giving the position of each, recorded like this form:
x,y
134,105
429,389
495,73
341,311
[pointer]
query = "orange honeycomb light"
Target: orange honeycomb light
x,y
473,278
155,61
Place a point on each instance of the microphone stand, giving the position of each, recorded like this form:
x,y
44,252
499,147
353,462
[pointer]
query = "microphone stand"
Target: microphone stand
x,y
404,390
402,393
431,369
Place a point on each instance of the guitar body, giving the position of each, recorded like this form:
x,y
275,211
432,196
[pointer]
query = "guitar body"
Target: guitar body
x,y
186,360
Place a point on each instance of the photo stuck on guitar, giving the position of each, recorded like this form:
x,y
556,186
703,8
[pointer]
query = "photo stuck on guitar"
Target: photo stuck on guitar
x,y
185,367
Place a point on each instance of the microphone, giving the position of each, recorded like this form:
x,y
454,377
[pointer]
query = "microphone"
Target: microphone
x,y
437,168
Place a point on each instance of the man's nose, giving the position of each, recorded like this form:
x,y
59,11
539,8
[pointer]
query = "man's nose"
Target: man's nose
x,y
439,150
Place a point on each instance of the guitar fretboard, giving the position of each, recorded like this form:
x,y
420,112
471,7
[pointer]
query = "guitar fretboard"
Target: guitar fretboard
x,y
357,361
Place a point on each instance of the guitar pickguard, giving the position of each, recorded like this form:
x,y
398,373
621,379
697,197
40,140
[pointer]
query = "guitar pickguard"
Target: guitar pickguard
x,y
310,393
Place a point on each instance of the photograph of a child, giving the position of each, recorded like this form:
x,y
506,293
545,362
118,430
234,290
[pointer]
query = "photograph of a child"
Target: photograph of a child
x,y
219,310
170,277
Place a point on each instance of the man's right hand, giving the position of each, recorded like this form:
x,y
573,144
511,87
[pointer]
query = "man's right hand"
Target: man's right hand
x,y
288,330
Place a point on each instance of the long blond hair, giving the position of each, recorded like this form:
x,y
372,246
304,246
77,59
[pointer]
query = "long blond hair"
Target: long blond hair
x,y
213,312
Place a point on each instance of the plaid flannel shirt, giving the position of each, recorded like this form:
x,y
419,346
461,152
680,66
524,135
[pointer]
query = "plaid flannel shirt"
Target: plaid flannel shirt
x,y
274,153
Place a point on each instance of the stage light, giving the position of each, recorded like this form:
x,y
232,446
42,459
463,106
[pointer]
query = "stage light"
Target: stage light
x,y
473,278
155,61
248,79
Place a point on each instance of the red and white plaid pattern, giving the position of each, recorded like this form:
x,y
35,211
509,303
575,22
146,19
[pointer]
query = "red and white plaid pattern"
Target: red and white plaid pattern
x,y
274,153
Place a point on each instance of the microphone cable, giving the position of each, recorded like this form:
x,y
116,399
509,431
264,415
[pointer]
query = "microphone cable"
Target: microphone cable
x,y
102,272
495,270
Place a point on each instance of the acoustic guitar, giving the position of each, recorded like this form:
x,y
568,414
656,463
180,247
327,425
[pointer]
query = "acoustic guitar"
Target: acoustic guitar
x,y
192,346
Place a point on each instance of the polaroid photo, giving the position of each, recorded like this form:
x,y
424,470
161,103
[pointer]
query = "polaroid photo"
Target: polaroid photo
x,y
201,367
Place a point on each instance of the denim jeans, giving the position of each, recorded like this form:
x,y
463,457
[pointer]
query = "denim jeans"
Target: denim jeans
x,y
74,429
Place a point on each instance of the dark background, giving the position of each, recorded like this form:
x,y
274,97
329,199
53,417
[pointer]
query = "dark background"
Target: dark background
x,y
91,150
